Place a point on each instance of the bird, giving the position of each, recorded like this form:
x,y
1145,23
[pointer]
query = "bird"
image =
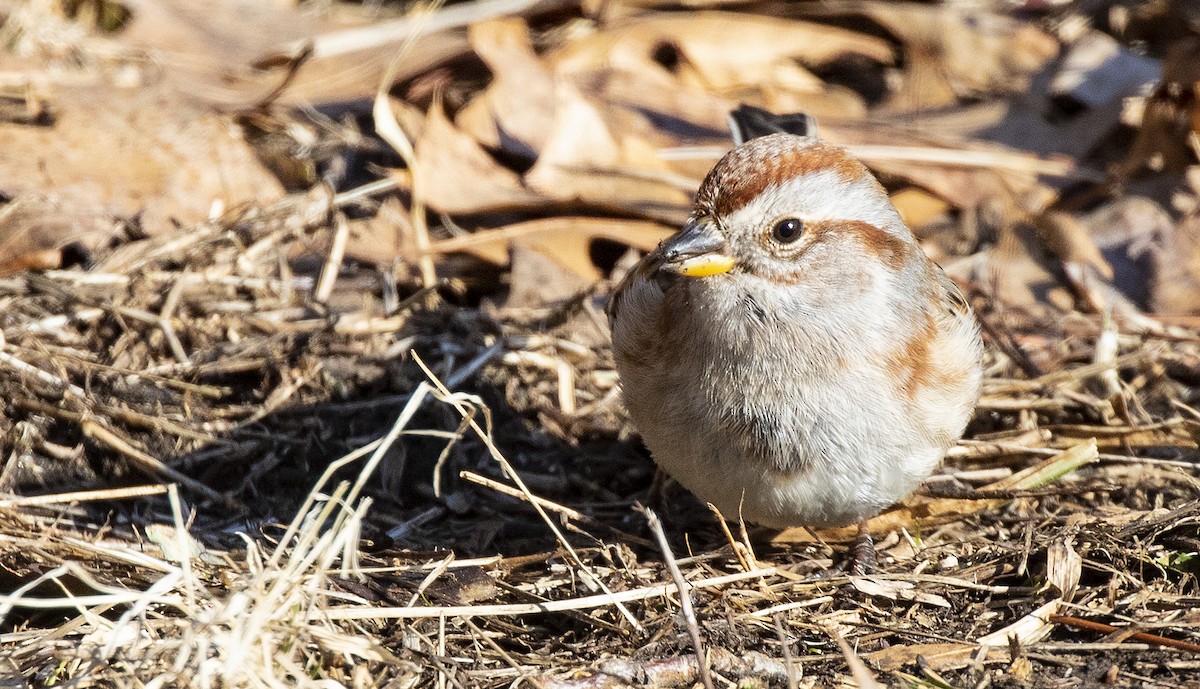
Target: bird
x,y
791,355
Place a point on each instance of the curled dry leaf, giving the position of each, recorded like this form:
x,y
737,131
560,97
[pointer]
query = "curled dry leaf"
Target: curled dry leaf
x,y
1097,70
384,237
964,173
691,60
1170,117
1027,630
33,229
1069,240
918,207
1063,568
897,590
516,111
460,176
939,656
1021,274
584,161
209,51
725,48
1134,235
673,107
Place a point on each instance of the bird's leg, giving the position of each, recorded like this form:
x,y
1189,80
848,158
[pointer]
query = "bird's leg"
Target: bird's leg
x,y
656,495
861,559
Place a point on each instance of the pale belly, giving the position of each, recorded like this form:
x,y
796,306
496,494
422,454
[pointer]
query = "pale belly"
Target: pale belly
x,y
828,456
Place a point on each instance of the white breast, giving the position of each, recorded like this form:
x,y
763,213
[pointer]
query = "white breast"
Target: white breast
x,y
773,412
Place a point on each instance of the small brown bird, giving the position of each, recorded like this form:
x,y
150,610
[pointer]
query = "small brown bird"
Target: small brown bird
x,y
791,355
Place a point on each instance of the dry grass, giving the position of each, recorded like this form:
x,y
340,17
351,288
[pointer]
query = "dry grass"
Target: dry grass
x,y
378,582
174,515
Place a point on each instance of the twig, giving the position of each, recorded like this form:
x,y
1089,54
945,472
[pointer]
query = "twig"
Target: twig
x,y
409,28
685,595
1088,625
554,507
165,314
518,609
333,261
863,678
390,131
85,496
786,648
38,373
153,466
486,437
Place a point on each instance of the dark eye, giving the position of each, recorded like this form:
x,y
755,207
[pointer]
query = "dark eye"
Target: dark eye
x,y
787,230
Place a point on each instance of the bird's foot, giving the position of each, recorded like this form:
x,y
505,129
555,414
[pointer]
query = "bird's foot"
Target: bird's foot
x,y
860,558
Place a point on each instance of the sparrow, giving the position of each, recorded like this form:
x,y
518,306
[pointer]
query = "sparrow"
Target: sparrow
x,y
791,355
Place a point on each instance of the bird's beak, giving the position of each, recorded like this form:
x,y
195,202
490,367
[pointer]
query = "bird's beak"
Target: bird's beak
x,y
696,251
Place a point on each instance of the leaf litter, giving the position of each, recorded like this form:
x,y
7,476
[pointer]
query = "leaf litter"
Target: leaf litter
x,y
268,423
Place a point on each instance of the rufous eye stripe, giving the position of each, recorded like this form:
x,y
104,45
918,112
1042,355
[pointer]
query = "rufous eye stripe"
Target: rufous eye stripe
x,y
892,251
750,169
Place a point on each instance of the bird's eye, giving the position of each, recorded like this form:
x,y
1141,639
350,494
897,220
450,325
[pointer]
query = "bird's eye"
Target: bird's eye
x,y
787,230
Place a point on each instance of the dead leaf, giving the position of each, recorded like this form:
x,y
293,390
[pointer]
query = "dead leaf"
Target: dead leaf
x,y
586,162
918,207
460,177
941,656
1070,241
1029,629
567,238
382,238
681,64
674,108
1175,285
955,52
1170,116
1097,70
209,51
723,46
515,113
897,590
33,229
538,279
1022,274
1134,235
1063,568
142,152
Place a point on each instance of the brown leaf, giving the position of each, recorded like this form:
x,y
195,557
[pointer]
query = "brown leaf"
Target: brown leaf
x,y
1021,274
538,278
142,152
727,49
1069,240
1170,116
681,64
657,92
516,111
918,207
1175,287
382,238
33,229
939,656
955,52
209,49
568,239
460,177
584,161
